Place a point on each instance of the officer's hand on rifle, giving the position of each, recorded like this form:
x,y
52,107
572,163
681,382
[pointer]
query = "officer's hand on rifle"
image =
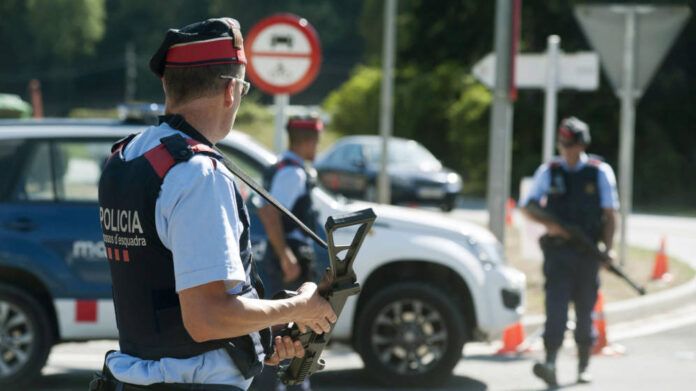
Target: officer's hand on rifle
x,y
554,229
290,266
285,348
315,313
611,255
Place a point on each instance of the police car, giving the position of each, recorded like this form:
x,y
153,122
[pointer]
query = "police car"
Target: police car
x,y
429,283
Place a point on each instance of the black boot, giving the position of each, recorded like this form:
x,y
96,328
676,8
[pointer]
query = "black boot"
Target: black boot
x,y
547,371
584,353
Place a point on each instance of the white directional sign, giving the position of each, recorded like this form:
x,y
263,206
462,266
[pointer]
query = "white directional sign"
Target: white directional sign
x,y
283,54
654,28
579,71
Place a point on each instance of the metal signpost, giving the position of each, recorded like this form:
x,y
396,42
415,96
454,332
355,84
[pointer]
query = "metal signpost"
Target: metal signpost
x,y
553,46
284,57
551,71
386,109
616,32
500,149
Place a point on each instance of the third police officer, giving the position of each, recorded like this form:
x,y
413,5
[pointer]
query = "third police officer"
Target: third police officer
x,y
579,190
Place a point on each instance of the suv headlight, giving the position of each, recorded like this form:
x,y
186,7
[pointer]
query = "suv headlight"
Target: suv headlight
x,y
491,253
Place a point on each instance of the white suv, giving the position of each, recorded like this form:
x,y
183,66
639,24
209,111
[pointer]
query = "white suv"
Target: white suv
x,y
429,283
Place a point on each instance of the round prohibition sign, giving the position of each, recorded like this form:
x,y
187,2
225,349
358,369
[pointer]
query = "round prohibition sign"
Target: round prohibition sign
x,y
284,55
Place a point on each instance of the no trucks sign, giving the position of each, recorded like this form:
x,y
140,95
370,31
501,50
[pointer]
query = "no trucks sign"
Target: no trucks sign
x,y
283,53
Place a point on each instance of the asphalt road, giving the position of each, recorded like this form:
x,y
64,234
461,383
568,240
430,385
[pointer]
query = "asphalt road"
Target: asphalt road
x,y
658,353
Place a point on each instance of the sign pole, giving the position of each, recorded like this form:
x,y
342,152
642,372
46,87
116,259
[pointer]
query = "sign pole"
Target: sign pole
x,y
501,122
281,102
283,58
386,105
627,127
550,97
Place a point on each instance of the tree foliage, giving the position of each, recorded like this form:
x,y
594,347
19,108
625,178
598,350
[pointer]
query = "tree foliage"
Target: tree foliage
x,y
435,102
66,28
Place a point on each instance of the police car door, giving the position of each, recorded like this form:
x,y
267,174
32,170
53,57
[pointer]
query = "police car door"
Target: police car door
x,y
50,215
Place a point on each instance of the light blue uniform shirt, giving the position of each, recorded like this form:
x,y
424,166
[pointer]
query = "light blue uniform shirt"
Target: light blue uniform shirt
x,y
606,182
196,219
289,184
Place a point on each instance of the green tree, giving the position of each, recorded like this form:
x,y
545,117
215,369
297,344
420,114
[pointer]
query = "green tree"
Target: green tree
x,y
65,28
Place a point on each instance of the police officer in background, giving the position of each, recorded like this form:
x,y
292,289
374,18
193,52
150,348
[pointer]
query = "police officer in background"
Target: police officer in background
x,y
289,257
579,190
185,289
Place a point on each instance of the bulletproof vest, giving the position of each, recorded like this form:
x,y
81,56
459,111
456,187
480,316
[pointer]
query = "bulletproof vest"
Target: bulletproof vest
x,y
574,197
148,312
303,207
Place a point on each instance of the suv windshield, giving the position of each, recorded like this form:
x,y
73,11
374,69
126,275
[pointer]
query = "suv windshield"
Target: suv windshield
x,y
405,153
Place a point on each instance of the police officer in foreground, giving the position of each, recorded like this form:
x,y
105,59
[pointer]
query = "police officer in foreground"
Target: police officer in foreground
x,y
185,289
289,257
580,190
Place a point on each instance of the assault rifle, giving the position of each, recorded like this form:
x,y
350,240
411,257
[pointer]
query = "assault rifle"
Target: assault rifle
x,y
584,244
339,284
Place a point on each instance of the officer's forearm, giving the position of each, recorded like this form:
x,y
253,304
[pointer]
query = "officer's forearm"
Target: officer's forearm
x,y
272,223
209,312
609,228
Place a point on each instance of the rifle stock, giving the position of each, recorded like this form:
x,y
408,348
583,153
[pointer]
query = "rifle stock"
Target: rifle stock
x,y
584,244
341,283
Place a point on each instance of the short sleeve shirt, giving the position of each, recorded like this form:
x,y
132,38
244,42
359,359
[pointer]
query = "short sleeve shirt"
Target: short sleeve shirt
x,y
288,185
608,196
196,219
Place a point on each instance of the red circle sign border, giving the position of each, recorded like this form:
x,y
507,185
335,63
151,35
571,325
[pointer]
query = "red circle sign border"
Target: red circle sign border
x,y
315,55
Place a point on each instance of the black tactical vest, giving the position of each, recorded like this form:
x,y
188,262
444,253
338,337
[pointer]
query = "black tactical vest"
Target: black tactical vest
x,y
148,313
303,207
574,197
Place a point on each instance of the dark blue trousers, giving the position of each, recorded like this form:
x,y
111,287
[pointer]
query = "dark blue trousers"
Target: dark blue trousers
x,y
272,276
570,276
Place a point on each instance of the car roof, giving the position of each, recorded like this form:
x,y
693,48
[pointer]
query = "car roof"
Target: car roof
x,y
368,139
81,128
49,128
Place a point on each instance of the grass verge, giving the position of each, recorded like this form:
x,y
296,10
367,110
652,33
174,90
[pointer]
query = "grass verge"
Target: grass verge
x,y
639,266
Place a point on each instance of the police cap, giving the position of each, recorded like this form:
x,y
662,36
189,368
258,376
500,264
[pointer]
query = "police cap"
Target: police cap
x,y
305,122
573,131
210,42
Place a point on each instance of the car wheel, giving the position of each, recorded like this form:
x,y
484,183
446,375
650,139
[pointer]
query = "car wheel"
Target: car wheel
x,y
25,337
448,203
410,334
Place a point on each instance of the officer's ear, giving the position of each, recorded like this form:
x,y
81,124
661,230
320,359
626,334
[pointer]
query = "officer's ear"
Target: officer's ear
x,y
229,98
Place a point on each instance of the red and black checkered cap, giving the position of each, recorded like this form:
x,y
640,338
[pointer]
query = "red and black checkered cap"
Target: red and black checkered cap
x,y
308,122
573,131
210,42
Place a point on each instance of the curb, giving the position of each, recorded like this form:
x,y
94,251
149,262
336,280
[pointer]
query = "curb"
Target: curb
x,y
638,307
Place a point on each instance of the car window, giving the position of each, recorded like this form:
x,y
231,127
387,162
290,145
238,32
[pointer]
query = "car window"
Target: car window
x,y
250,167
9,164
78,166
406,153
349,154
37,182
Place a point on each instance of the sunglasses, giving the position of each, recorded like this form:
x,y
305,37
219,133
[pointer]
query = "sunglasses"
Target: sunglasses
x,y
246,86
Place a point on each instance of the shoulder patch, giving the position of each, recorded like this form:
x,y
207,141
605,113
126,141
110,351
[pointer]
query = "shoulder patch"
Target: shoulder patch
x,y
595,160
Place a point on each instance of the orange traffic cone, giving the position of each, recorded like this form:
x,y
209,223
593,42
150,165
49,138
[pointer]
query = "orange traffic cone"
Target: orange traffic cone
x,y
661,263
509,208
599,324
513,336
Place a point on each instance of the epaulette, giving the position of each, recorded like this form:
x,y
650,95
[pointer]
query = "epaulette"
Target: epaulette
x,y
595,160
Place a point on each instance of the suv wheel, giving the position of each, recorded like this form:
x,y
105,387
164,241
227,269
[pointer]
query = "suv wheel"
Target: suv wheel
x,y
25,336
410,333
